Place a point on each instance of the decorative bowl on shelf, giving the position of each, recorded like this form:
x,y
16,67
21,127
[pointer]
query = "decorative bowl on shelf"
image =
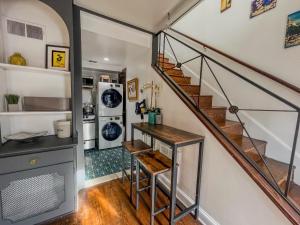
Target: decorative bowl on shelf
x,y
17,59
25,136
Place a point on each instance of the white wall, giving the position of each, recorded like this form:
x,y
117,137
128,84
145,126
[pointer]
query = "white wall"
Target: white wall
x,y
228,195
258,41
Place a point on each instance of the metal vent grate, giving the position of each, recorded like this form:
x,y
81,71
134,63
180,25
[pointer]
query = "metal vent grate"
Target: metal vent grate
x,y
34,32
17,28
29,197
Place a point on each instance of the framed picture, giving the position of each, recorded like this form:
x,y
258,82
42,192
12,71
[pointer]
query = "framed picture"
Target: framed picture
x,y
292,37
57,57
133,89
260,6
225,4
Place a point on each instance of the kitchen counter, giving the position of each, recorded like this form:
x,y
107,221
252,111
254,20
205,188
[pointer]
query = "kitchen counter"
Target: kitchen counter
x,y
43,144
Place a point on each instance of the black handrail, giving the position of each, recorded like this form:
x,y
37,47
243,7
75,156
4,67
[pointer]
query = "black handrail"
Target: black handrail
x,y
233,109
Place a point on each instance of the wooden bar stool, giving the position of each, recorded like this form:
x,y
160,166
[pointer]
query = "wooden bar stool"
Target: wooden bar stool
x,y
154,163
133,148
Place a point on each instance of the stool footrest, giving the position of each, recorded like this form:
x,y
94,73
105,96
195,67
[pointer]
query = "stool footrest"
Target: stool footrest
x,y
160,210
144,189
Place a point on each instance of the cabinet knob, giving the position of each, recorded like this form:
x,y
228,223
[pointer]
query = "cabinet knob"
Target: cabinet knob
x,y
33,162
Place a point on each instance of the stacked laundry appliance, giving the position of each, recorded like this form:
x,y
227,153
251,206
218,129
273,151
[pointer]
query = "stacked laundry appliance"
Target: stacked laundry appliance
x,y
110,129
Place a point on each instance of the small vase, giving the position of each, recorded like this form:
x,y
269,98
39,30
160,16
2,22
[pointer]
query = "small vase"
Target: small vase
x,y
13,108
152,118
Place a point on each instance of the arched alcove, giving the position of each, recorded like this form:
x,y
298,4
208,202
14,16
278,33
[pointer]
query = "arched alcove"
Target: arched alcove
x,y
32,12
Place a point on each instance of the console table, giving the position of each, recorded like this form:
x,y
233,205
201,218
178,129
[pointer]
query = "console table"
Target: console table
x,y
175,138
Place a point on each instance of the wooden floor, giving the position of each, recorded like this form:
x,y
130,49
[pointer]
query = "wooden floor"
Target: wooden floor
x,y
108,204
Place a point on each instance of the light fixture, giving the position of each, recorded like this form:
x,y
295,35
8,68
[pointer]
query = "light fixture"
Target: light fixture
x,y
106,59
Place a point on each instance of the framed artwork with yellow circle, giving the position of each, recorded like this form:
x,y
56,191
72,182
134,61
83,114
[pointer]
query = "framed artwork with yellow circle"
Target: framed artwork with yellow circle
x,y
57,57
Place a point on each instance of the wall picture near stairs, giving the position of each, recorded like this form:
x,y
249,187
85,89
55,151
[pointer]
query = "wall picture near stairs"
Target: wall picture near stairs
x,y
260,6
292,37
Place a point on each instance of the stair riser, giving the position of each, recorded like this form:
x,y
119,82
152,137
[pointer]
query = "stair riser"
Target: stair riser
x,y
204,101
161,59
191,90
218,115
252,153
173,72
181,80
234,131
167,65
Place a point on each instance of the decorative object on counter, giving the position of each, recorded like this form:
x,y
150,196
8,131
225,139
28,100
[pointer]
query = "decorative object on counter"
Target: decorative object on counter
x,y
12,103
158,116
25,136
105,78
46,104
57,57
155,89
17,59
133,89
225,4
292,37
63,128
152,117
260,6
140,108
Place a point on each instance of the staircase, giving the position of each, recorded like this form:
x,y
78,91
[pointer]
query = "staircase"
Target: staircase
x,y
273,169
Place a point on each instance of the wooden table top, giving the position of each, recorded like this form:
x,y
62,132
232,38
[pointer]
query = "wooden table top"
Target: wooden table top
x,y
169,135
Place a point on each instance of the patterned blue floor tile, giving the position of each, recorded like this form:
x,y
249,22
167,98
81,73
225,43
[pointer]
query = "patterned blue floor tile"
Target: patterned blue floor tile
x,y
100,163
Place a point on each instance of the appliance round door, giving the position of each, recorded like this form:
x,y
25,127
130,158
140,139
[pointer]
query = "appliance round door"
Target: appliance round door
x,y
111,98
111,131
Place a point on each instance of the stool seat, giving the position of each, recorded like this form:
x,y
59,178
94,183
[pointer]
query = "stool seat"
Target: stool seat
x,y
136,147
155,162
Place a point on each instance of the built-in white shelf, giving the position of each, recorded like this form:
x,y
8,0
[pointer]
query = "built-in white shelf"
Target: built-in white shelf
x,y
5,66
34,113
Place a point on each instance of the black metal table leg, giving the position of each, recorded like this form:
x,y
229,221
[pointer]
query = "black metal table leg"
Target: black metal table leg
x,y
152,207
137,182
173,186
131,176
200,159
123,165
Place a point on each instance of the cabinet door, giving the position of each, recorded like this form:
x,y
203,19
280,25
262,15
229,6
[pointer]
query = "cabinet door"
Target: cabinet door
x,y
34,196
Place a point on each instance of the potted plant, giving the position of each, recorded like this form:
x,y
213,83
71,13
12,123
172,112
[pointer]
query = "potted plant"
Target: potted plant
x,y
12,102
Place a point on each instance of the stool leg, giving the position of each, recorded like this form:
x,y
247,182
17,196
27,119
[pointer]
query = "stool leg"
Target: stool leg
x,y
153,192
131,176
123,165
137,182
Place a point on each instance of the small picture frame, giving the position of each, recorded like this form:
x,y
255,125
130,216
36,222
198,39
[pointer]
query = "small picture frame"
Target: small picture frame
x,y
57,57
225,4
133,89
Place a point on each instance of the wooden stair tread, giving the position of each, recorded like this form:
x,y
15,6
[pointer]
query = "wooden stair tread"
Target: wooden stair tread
x,y
155,162
136,147
278,169
228,123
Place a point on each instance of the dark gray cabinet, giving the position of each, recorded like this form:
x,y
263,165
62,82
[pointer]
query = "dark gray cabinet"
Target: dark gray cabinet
x,y
36,187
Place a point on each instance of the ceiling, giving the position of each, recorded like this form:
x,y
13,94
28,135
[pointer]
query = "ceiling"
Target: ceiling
x,y
96,47
146,14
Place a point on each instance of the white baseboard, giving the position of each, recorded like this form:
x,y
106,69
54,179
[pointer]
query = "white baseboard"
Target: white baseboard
x,y
204,217
100,180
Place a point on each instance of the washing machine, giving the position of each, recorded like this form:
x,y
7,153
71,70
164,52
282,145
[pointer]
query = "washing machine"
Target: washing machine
x,y
110,132
110,99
